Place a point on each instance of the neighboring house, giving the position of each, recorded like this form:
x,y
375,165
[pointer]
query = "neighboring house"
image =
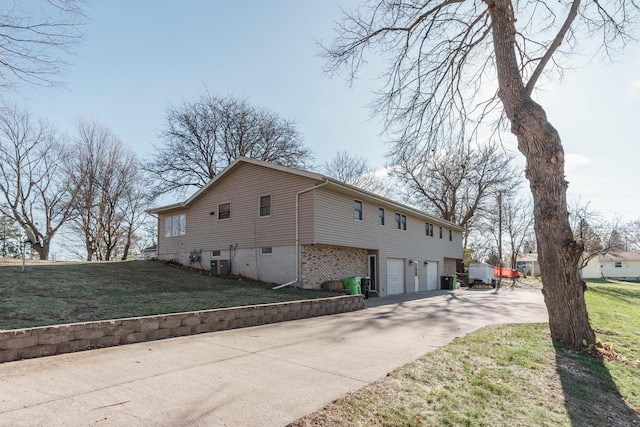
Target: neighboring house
x,y
619,265
150,252
283,225
527,264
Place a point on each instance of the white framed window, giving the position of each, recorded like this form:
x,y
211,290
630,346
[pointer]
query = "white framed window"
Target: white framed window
x,y
215,253
357,210
618,264
380,216
428,229
401,222
175,225
441,232
267,250
265,205
224,211
450,236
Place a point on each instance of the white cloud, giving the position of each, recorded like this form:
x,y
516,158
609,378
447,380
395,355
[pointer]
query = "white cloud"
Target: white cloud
x,y
574,161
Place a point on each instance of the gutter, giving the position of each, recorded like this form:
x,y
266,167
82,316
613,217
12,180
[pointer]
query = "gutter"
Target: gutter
x,y
326,181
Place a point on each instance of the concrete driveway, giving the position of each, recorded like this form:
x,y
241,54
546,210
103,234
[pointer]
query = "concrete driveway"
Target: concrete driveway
x,y
261,376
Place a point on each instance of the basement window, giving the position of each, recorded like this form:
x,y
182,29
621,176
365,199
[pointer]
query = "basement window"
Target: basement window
x,y
215,253
618,264
266,250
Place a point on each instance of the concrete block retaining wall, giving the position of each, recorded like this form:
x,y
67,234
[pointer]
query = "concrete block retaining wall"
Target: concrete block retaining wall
x,y
49,340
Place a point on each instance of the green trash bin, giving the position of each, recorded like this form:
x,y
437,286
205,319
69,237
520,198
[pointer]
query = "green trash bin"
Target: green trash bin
x,y
352,284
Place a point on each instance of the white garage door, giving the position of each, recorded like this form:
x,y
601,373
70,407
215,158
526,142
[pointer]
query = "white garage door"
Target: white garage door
x,y
432,276
395,276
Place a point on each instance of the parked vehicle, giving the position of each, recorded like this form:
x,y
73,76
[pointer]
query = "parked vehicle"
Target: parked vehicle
x,y
506,273
481,274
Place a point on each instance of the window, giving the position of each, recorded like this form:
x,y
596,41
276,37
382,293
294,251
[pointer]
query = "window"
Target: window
x,y
380,216
265,206
450,236
441,232
266,250
175,225
618,264
215,253
428,229
401,222
357,210
224,211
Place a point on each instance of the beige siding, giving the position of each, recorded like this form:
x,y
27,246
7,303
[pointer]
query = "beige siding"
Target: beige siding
x,y
326,217
306,219
335,225
242,187
169,248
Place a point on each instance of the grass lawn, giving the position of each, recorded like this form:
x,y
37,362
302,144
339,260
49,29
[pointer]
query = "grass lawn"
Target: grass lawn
x,y
511,375
65,292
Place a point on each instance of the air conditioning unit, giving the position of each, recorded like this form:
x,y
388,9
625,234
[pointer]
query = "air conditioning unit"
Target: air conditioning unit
x,y
219,267
223,267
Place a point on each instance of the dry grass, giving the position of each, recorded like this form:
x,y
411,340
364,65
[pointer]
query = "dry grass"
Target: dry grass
x,y
511,375
67,292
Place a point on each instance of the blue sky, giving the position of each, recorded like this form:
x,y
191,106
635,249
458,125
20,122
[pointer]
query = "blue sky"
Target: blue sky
x,y
139,57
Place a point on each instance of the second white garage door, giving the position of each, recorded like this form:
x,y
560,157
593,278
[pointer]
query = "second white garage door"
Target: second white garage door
x,y
432,276
395,276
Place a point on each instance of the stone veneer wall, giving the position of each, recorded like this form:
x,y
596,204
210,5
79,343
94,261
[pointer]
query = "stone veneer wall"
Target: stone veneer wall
x,y
324,262
49,340
449,267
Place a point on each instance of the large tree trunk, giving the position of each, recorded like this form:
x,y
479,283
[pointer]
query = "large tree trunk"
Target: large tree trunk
x,y
42,249
538,140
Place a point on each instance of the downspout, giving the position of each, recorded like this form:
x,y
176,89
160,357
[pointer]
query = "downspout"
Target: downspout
x,y
326,181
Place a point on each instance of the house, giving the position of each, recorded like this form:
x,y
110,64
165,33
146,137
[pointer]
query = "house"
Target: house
x,y
150,252
283,225
618,265
527,264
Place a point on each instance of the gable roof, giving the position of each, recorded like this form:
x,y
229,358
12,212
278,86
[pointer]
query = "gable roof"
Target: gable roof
x,y
330,182
621,256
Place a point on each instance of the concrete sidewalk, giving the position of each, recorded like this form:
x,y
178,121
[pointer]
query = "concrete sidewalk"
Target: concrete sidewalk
x,y
262,376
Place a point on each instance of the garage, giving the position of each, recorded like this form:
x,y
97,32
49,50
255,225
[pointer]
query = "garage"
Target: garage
x,y
395,276
432,276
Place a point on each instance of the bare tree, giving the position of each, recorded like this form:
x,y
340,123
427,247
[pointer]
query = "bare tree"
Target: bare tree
x,y
632,235
34,40
356,171
204,136
598,235
133,207
516,227
457,183
33,182
111,200
455,65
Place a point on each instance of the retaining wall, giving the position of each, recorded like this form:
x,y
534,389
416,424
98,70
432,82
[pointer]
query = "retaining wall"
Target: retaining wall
x,y
49,340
